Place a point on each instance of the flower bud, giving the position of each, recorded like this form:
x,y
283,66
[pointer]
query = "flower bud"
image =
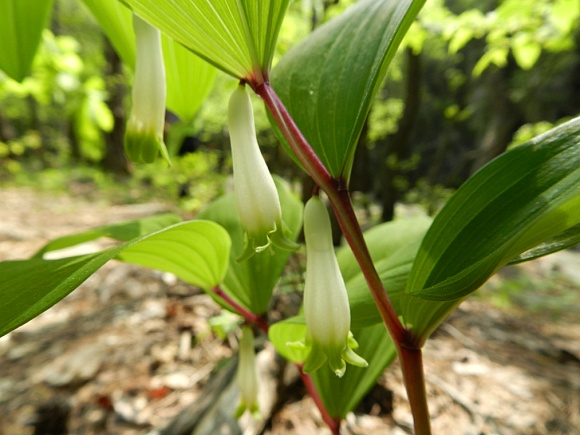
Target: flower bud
x,y
257,199
144,135
247,376
326,307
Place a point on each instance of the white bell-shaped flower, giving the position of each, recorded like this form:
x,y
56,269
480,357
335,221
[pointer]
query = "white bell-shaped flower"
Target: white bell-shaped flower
x,y
144,135
247,375
257,199
326,307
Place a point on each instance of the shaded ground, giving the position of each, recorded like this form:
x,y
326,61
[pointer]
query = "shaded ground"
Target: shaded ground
x,y
116,356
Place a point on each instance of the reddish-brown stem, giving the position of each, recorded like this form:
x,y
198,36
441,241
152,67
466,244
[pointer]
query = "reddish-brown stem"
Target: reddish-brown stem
x,y
412,367
346,217
294,136
405,342
261,323
332,423
340,201
246,314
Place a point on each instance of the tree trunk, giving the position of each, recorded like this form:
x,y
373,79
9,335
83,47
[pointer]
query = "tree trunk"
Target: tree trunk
x,y
115,160
399,148
504,118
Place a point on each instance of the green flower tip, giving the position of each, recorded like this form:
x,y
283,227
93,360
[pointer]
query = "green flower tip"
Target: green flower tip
x,y
253,409
255,244
144,135
144,147
335,357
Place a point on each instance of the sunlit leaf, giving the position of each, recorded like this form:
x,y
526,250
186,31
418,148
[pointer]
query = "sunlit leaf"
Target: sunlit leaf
x,y
525,197
115,20
286,335
328,81
189,79
196,252
526,50
122,231
237,36
21,25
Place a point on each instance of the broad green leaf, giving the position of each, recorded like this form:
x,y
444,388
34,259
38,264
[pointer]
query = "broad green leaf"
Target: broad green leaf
x,y
251,282
123,231
21,25
328,81
115,20
196,252
188,78
342,395
525,197
237,36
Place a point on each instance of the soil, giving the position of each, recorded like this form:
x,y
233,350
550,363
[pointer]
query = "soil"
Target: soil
x,y
132,349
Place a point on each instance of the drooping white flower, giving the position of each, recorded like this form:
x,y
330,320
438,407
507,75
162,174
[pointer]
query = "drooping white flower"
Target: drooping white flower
x,y
257,199
326,307
144,135
247,375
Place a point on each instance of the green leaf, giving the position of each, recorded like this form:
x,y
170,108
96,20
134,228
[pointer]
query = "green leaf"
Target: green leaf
x,y
21,25
526,50
122,231
525,197
328,81
286,334
237,36
342,395
251,282
196,252
188,78
564,240
115,20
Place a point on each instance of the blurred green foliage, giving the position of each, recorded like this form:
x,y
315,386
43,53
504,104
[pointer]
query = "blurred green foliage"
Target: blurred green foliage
x,y
487,74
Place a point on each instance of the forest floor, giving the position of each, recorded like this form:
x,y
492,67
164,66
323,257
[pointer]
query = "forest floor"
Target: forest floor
x,y
115,357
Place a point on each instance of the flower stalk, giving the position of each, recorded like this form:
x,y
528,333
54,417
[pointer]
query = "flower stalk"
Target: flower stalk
x,y
247,375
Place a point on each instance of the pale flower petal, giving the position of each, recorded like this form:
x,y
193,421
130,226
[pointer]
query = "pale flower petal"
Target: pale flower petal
x,y
257,199
326,307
